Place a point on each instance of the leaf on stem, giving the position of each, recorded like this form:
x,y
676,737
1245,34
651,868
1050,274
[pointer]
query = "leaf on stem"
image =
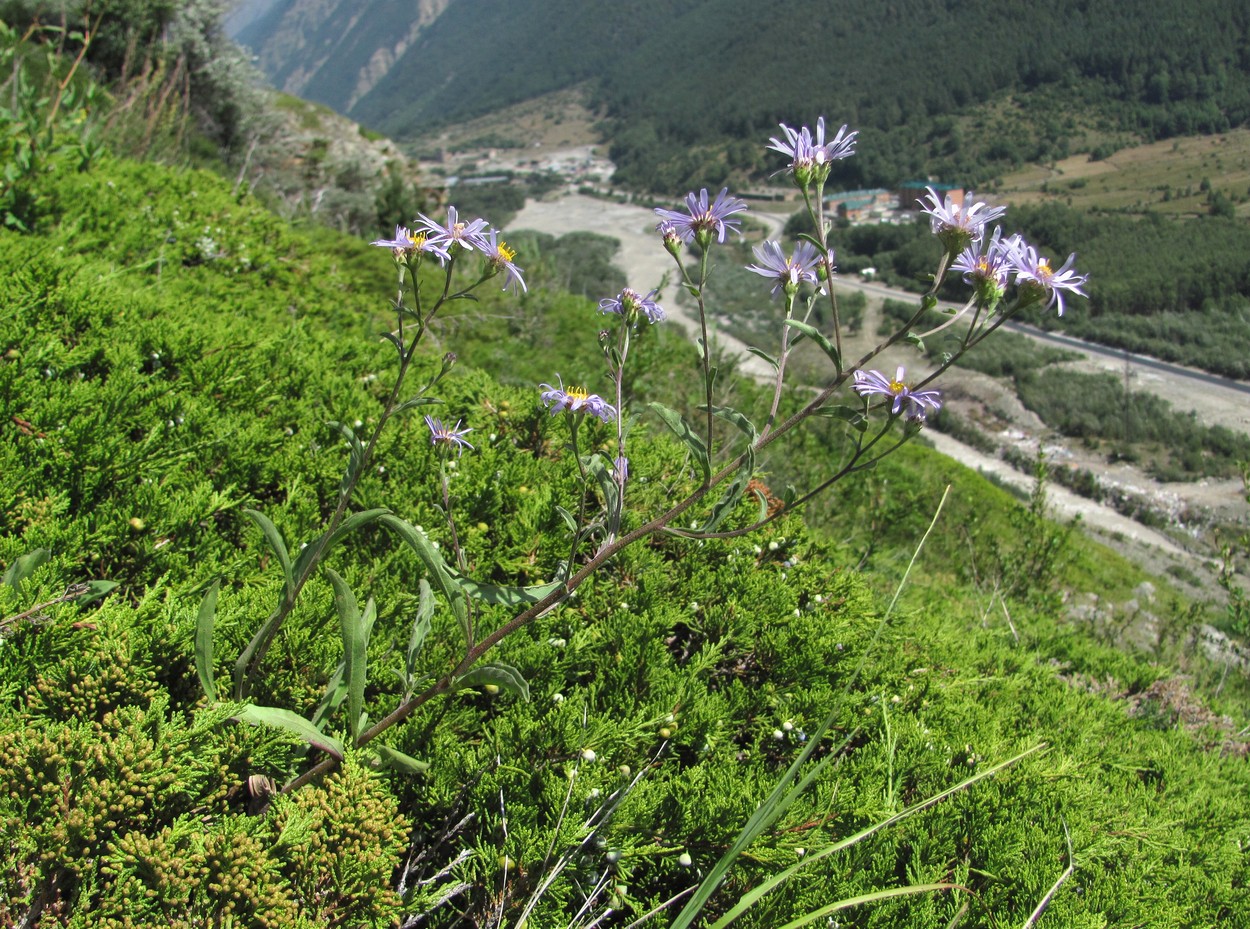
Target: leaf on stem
x,y
819,338
204,623
355,458
392,759
503,676
433,561
355,629
297,725
852,416
760,353
415,402
683,431
24,566
350,524
505,596
277,543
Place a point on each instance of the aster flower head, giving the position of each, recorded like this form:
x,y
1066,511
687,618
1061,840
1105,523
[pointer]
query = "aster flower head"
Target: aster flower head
x,y
811,158
786,273
576,400
447,438
405,244
470,235
914,405
499,259
986,265
958,226
1036,278
702,218
629,304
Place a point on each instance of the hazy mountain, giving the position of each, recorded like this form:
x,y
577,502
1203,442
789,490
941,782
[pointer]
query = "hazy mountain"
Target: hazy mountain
x,y
330,51
683,81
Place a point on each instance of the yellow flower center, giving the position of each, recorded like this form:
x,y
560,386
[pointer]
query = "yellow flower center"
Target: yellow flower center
x,y
1043,269
897,387
417,241
507,254
577,393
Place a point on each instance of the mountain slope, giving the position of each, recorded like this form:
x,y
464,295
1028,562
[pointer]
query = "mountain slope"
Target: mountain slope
x,y
329,51
677,78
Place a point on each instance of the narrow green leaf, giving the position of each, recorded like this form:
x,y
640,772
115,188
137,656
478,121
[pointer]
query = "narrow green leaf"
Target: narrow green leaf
x,y
760,353
355,632
415,402
732,496
293,723
498,675
505,596
96,590
433,561
686,433
569,519
738,419
204,623
24,566
332,699
276,542
394,760
819,338
421,625
394,340
852,416
357,452
351,523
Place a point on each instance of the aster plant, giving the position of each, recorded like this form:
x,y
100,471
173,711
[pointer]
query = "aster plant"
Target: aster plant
x,y
706,493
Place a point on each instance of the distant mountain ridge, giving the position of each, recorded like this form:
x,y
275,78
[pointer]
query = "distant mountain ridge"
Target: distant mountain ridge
x,y
685,82
331,51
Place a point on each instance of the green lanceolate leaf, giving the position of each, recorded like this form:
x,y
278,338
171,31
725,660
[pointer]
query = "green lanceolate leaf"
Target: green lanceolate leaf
x,y
501,676
332,699
421,625
276,542
738,419
733,494
818,337
355,629
415,402
760,353
392,759
204,623
350,524
293,723
434,564
852,416
24,566
505,596
686,433
357,453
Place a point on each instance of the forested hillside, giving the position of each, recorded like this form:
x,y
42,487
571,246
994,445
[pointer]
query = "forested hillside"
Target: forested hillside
x,y
682,84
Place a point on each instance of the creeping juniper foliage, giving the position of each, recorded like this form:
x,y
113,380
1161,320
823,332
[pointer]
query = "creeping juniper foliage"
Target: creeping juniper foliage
x,y
307,619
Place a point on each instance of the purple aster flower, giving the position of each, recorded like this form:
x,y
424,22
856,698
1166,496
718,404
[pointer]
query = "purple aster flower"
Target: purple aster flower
x,y
1034,273
987,266
577,400
915,405
405,243
702,219
811,158
958,226
447,439
629,304
786,272
470,235
499,258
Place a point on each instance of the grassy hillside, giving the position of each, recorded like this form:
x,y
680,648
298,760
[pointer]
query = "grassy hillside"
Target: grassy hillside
x,y
171,356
